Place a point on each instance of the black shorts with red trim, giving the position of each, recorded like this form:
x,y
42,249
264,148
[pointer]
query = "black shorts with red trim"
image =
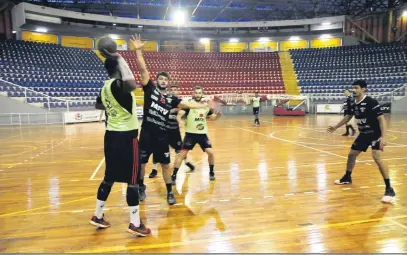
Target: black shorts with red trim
x,y
190,140
122,157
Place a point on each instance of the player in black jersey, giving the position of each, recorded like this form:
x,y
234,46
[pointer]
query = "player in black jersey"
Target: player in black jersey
x,y
157,106
174,133
372,128
346,105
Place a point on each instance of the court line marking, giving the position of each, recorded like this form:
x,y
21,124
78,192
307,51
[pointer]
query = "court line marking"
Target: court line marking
x,y
315,129
31,158
33,148
397,223
311,165
97,169
2,139
397,131
258,199
50,162
396,145
63,203
292,142
241,236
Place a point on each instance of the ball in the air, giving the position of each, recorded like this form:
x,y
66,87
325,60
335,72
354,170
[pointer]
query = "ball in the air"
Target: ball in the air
x,y
106,44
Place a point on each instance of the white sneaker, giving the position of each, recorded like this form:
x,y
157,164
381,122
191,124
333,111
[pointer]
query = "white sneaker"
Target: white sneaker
x,y
389,196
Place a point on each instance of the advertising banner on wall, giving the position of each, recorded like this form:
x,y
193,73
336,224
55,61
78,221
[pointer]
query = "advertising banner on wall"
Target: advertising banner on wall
x,y
329,108
90,116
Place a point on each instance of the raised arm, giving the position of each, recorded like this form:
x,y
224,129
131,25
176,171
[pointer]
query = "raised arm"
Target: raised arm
x,y
142,67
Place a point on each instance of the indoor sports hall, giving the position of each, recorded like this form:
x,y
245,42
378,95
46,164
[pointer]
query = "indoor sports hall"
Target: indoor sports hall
x,y
275,189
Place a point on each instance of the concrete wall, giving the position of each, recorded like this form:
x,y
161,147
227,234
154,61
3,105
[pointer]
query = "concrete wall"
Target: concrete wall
x,y
350,40
399,106
8,105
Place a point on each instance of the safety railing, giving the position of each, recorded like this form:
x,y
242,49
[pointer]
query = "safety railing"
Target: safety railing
x,y
19,119
43,100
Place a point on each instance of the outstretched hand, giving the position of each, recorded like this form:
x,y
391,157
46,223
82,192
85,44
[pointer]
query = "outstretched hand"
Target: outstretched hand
x,y
136,40
330,129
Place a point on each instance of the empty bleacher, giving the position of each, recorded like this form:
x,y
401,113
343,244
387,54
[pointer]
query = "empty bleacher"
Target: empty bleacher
x,y
218,73
57,73
53,73
326,73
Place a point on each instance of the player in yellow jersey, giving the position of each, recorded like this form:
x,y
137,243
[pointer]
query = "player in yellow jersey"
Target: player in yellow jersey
x,y
256,108
121,148
196,131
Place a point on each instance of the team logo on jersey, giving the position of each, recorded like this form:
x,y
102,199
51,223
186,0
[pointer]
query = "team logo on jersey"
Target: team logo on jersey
x,y
169,100
159,108
167,154
201,115
162,100
200,127
361,121
362,109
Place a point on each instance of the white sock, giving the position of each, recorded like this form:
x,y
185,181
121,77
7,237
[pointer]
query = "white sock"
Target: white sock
x,y
135,215
99,208
155,166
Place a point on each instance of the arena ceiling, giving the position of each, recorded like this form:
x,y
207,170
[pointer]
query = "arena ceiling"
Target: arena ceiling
x,y
225,10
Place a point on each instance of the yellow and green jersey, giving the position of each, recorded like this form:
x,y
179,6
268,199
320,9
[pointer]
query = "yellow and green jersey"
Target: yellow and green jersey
x,y
196,120
118,118
256,102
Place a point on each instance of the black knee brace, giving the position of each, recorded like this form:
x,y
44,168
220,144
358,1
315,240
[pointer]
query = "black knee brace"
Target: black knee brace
x,y
104,190
132,195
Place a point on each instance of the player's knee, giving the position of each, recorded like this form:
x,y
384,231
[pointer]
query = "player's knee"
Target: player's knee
x,y
104,190
165,167
107,182
376,157
132,196
352,156
210,153
182,153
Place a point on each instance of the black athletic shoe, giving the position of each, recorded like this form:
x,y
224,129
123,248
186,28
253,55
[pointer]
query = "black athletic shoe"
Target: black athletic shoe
x,y
344,180
353,133
346,134
173,180
389,196
190,166
153,174
142,192
171,198
212,176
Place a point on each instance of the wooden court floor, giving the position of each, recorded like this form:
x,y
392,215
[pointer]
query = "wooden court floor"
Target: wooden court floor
x,y
274,192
